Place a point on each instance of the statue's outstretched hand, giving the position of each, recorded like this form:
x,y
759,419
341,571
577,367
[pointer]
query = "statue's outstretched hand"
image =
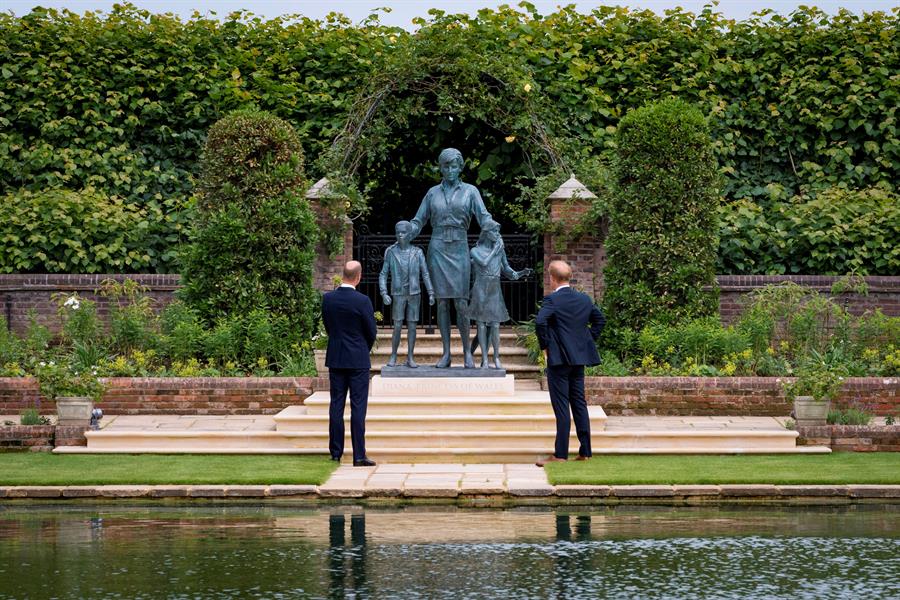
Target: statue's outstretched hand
x,y
387,299
430,299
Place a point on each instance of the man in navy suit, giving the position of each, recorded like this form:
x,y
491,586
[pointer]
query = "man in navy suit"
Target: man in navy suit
x,y
562,331
350,323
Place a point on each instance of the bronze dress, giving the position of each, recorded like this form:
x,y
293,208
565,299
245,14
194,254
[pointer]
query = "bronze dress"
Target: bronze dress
x,y
449,210
486,302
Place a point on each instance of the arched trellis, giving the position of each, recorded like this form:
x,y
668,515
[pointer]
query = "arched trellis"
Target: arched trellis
x,y
439,71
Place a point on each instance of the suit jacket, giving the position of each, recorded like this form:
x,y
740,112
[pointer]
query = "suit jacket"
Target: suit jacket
x,y
418,269
350,323
562,328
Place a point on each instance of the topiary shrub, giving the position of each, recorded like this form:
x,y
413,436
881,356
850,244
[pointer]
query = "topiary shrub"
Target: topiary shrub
x,y
253,244
662,235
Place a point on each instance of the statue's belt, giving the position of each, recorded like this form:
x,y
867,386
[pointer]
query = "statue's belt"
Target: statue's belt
x,y
450,233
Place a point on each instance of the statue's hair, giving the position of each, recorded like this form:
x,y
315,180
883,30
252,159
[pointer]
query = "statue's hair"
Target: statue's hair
x,y
450,154
399,223
487,227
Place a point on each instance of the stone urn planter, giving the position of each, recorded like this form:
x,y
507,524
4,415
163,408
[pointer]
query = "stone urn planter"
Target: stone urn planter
x,y
74,410
810,412
321,369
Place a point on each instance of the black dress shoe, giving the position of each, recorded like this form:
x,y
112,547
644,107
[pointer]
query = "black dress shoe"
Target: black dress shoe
x,y
364,462
336,458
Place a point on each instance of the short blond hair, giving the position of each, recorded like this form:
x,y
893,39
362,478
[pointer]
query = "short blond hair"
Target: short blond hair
x,y
560,271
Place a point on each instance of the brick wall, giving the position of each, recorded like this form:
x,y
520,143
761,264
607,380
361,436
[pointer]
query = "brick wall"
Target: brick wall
x,y
617,395
176,395
883,292
737,396
852,438
26,438
586,254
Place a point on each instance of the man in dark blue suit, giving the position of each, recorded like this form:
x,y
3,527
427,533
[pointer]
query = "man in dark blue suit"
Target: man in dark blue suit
x,y
350,323
562,331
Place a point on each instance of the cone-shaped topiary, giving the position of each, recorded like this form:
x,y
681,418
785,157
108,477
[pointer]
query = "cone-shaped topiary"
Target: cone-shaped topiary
x,y
253,245
662,239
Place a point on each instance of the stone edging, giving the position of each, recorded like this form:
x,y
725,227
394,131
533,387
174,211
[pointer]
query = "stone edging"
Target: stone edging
x,y
613,494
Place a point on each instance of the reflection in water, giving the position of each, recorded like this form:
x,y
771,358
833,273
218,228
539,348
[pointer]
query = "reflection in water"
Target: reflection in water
x,y
447,552
341,583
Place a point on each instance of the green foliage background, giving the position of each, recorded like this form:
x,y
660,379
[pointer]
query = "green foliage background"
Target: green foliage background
x,y
120,103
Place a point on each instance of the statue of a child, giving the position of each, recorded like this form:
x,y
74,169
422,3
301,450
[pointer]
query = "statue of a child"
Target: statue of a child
x,y
486,305
405,265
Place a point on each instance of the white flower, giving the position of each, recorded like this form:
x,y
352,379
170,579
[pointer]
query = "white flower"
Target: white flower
x,y
42,363
72,302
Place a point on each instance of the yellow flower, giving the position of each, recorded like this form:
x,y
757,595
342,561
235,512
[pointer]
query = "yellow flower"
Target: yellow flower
x,y
527,87
729,369
393,39
670,350
510,139
770,351
747,354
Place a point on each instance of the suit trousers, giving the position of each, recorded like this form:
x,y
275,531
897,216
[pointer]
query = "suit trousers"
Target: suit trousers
x,y
357,382
566,384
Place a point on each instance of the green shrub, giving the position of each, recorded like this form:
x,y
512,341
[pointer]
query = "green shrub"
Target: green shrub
x,y
183,335
838,231
253,245
704,340
31,416
12,349
850,416
63,231
133,323
662,238
80,324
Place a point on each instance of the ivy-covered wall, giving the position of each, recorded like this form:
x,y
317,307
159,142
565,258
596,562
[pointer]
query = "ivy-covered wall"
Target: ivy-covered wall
x,y
121,102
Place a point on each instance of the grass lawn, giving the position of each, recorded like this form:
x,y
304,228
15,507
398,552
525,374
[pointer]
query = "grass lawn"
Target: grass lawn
x,y
836,468
40,468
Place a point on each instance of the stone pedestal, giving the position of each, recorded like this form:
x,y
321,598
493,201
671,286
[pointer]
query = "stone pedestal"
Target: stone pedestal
x,y
433,387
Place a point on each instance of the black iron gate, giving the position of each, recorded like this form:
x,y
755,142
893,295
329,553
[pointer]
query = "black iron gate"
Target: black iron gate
x,y
522,251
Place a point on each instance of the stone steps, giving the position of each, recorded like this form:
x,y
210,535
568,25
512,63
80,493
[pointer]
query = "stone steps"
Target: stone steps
x,y
447,419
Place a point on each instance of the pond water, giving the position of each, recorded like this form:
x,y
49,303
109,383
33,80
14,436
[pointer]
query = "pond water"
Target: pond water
x,y
342,551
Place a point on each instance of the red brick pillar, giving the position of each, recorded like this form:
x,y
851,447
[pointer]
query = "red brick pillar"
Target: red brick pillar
x,y
585,253
328,267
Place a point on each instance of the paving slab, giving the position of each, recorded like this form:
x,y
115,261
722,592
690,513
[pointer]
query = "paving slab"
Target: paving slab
x,y
291,490
697,490
874,491
207,491
748,490
245,491
124,491
580,491
169,491
814,490
642,491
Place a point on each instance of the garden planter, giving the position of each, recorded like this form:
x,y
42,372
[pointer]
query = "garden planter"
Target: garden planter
x,y
320,363
809,412
74,410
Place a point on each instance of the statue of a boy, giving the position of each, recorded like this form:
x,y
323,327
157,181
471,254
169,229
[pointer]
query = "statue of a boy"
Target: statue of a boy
x,y
405,265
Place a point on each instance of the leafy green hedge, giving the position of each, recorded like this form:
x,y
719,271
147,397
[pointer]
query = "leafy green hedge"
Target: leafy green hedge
x,y
121,102
837,232
662,242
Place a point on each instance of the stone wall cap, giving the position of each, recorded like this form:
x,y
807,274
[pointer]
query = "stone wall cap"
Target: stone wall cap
x,y
318,189
572,188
